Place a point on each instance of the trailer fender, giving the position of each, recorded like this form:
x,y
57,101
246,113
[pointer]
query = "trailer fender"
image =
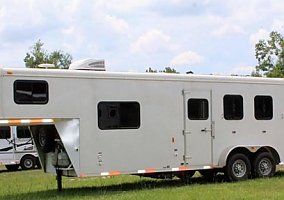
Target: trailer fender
x,y
238,149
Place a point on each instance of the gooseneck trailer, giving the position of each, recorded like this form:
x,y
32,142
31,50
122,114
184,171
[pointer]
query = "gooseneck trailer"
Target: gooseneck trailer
x,y
97,123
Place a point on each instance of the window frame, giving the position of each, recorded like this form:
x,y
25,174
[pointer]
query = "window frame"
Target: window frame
x,y
232,114
32,100
114,112
206,113
270,117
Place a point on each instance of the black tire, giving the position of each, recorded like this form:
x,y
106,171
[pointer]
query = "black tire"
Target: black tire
x,y
264,165
45,138
28,162
238,167
12,167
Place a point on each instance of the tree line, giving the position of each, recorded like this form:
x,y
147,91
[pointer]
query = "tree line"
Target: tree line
x,y
268,53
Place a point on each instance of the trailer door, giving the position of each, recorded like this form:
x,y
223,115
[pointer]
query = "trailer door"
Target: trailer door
x,y
197,128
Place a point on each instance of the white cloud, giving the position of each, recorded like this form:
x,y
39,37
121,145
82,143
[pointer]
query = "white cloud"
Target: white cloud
x,y
228,30
2,18
74,34
242,69
261,34
151,41
72,7
118,25
187,58
154,30
278,25
24,12
242,16
122,5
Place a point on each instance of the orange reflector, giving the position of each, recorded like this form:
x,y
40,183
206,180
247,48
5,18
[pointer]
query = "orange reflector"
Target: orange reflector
x,y
114,173
9,72
150,170
14,121
183,168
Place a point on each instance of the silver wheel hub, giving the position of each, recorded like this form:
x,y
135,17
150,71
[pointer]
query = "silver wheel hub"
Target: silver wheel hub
x,y
28,163
239,168
265,167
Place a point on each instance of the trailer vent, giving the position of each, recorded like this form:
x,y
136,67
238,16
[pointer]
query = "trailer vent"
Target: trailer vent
x,y
88,64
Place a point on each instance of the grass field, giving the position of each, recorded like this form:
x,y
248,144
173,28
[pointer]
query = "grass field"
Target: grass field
x,y
36,185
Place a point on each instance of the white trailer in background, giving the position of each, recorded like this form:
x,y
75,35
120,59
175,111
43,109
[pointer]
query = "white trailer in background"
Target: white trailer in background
x,y
16,148
87,123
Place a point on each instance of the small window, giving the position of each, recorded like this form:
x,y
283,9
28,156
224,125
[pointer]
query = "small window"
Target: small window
x,y
197,109
5,132
233,107
118,115
23,132
263,108
30,92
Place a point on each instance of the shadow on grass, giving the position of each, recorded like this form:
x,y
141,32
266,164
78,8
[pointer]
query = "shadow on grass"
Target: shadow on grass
x,y
279,174
140,185
4,170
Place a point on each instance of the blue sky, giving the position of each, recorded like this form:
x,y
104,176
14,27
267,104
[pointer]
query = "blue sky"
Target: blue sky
x,y
206,37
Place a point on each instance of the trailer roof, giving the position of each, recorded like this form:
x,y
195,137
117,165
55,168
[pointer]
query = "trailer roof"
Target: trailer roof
x,y
82,74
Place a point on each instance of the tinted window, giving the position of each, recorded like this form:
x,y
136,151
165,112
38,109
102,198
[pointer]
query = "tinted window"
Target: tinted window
x,y
118,115
30,92
233,107
197,109
5,132
23,132
263,107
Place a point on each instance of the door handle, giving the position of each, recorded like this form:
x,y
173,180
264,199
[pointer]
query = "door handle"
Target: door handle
x,y
205,130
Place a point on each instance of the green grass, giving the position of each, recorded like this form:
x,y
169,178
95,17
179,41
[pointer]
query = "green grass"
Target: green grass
x,y
36,185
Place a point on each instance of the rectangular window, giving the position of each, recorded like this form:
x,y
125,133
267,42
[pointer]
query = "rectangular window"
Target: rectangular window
x,y
263,107
5,132
30,92
197,109
233,107
118,115
23,132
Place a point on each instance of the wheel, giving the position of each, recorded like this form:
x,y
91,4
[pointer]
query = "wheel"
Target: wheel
x,y
12,167
264,165
45,138
238,167
28,162
209,174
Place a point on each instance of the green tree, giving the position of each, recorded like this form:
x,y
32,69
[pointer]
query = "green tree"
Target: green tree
x,y
37,55
60,59
166,70
170,70
270,56
150,70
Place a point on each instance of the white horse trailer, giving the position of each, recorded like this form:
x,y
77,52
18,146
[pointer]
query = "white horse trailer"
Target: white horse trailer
x,y
16,148
87,123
